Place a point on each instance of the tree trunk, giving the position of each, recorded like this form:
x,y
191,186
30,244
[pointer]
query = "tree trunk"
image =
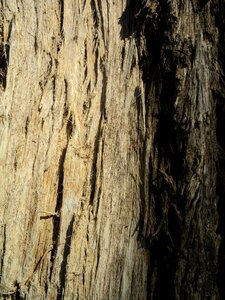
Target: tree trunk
x,y
112,150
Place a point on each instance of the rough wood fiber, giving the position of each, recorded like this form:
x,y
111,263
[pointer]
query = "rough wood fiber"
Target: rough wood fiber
x,y
108,150
69,153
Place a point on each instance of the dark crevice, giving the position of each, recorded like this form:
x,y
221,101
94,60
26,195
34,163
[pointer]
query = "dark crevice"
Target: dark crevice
x,y
100,187
17,295
4,57
59,202
96,65
164,244
104,90
66,111
3,249
53,90
65,91
129,26
98,257
56,221
85,61
122,56
66,252
49,216
27,125
37,29
159,63
94,163
60,180
95,14
61,24
61,8
84,4
98,135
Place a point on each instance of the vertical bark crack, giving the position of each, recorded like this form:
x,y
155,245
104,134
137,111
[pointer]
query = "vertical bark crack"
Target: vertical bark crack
x,y
98,136
61,6
59,202
3,233
37,28
4,55
94,163
66,252
56,221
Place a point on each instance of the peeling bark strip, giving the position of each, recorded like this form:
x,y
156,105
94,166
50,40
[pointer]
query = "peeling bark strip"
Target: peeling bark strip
x,y
112,149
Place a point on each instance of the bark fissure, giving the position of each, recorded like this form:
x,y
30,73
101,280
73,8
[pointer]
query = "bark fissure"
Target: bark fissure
x,y
98,137
94,163
37,28
59,202
4,54
18,295
61,9
3,234
95,14
66,252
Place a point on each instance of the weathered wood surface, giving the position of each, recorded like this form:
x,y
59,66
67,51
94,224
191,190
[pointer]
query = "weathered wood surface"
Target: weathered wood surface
x,y
109,149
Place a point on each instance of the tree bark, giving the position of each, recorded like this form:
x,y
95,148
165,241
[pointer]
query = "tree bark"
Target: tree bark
x,y
112,150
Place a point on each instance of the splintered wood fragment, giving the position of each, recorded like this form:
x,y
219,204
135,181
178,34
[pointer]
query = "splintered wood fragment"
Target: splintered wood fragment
x,y
48,214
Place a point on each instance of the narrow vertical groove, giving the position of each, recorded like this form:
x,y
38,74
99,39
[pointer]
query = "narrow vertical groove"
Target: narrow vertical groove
x,y
4,55
3,234
59,201
56,221
98,136
61,8
66,252
37,28
94,163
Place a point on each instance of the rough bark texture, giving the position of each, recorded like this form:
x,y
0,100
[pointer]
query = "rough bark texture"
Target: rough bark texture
x,y
112,149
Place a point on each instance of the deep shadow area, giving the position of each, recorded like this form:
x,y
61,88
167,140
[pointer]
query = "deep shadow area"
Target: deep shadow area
x,y
221,193
219,97
158,66
4,54
159,62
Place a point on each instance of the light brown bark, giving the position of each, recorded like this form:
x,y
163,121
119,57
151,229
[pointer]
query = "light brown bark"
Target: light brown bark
x,y
69,153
